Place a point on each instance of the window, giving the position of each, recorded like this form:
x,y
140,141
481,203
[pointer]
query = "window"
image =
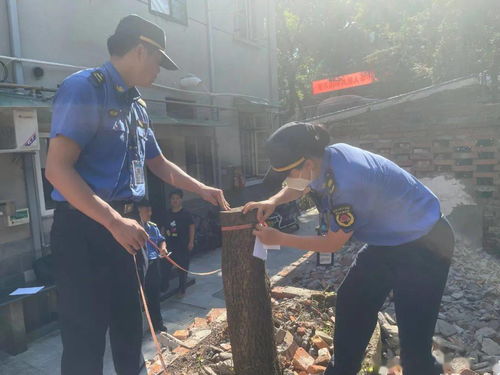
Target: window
x,y
199,161
245,25
253,135
45,188
175,10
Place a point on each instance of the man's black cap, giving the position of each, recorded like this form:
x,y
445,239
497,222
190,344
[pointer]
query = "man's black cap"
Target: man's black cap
x,y
287,148
144,202
142,30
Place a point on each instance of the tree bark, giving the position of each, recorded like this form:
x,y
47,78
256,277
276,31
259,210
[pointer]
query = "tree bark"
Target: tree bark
x,y
248,301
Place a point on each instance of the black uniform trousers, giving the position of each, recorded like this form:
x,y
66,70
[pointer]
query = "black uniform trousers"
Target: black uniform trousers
x,y
416,272
181,257
98,290
152,291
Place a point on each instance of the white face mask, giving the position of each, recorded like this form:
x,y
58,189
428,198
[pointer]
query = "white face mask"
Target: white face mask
x,y
298,183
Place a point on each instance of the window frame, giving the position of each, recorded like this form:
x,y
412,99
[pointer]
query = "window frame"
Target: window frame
x,y
39,180
250,13
170,17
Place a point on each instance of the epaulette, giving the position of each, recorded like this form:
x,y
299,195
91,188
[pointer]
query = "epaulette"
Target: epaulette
x,y
151,223
97,78
142,102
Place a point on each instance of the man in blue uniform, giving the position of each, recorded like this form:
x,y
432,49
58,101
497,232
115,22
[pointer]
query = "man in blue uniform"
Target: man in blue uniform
x,y
409,243
153,276
101,140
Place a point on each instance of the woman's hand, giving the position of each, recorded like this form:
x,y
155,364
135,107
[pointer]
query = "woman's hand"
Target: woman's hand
x,y
267,235
264,209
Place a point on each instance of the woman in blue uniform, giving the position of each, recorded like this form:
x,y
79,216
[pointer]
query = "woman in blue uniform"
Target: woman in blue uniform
x,y
409,243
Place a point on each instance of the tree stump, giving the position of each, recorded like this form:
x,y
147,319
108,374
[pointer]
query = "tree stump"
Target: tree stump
x,y
248,301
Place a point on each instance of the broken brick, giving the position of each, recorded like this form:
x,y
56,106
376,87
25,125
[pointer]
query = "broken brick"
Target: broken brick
x,y
318,342
180,350
302,360
181,334
324,336
324,357
214,314
316,369
199,323
301,331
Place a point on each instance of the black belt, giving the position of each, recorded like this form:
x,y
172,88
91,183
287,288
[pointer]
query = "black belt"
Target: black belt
x,y
122,207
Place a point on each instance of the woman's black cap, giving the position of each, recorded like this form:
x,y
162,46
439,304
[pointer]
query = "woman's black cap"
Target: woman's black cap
x,y
287,148
142,30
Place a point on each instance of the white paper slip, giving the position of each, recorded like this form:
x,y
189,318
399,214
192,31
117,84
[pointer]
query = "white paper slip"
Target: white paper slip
x,y
260,250
22,291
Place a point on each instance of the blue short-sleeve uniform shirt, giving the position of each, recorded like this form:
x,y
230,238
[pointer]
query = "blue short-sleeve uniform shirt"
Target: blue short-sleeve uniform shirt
x,y
108,120
380,202
155,236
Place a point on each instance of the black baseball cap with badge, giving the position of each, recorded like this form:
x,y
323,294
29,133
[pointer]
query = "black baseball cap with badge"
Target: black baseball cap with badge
x,y
138,29
289,146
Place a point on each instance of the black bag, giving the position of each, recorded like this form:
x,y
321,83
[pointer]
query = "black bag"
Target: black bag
x,y
44,269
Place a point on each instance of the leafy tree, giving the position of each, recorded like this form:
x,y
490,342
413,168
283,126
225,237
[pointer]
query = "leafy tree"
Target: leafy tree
x,y
408,43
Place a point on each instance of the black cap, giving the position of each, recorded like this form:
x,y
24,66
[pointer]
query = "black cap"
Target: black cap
x,y
287,148
142,30
144,202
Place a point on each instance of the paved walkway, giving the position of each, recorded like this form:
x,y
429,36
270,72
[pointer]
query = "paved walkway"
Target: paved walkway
x,y
43,355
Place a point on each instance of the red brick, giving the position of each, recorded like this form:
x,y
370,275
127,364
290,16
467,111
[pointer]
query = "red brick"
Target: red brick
x,y
464,155
316,369
181,334
180,350
318,342
485,149
485,161
301,331
199,323
443,162
214,314
485,174
468,372
463,168
302,360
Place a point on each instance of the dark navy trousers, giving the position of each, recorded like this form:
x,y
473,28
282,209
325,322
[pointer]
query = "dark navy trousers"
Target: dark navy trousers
x,y
416,272
97,290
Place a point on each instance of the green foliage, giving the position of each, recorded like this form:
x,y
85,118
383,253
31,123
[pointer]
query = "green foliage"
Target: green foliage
x,y
408,43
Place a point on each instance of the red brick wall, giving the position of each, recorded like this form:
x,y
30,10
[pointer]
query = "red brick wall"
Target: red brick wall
x,y
448,133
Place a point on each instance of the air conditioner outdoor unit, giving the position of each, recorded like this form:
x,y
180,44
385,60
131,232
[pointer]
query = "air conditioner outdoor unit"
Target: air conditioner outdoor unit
x,y
19,131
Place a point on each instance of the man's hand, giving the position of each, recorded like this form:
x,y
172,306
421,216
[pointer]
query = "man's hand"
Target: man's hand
x,y
190,246
214,196
267,235
128,233
163,250
264,209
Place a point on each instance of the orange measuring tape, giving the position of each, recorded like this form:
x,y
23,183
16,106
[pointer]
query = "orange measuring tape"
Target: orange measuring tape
x,y
179,267
148,316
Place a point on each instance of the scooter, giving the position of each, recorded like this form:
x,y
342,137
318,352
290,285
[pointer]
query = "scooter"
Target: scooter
x,y
285,217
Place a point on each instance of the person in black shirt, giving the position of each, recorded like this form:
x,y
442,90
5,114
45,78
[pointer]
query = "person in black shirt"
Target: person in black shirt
x,y
179,232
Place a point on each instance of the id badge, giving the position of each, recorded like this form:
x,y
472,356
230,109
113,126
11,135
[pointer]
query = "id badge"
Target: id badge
x,y
138,172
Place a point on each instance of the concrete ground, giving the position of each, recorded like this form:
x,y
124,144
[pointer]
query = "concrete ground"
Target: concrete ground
x,y
43,354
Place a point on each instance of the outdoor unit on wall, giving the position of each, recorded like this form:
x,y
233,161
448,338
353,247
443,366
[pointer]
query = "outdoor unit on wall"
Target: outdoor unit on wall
x,y
19,130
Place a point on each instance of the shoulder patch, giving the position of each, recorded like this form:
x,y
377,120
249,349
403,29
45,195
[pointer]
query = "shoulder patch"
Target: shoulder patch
x,y
142,102
329,184
344,216
97,78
